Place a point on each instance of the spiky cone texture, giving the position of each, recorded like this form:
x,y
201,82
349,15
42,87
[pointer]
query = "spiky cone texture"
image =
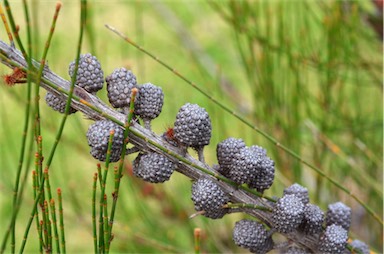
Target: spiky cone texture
x,y
153,167
192,126
334,240
148,103
98,136
299,191
340,214
245,167
227,151
253,236
287,214
209,198
57,103
313,220
360,246
119,85
266,174
90,76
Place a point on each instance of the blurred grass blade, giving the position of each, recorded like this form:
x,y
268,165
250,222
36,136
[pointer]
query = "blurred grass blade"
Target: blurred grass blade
x,y
6,26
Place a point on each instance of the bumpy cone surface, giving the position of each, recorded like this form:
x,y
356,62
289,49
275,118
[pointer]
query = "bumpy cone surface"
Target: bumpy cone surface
x,y
340,214
98,137
360,246
313,220
207,196
149,102
193,126
252,235
90,76
153,167
266,174
299,191
245,167
287,214
226,151
57,103
119,87
334,240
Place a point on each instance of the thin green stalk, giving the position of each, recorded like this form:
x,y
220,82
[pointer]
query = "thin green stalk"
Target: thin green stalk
x,y
53,210
121,164
49,227
105,221
61,217
45,215
38,226
50,246
40,233
103,224
47,184
94,212
253,127
54,222
39,166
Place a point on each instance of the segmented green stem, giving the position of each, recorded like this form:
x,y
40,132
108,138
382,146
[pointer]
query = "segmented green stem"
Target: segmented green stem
x,y
47,184
54,222
61,217
105,221
53,210
39,166
247,123
121,165
46,226
94,211
103,181
35,182
40,233
49,223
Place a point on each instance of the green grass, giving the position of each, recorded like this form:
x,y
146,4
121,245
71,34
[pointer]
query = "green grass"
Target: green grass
x,y
307,73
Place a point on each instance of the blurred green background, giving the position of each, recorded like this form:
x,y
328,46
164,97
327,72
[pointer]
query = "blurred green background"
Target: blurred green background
x,y
309,73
